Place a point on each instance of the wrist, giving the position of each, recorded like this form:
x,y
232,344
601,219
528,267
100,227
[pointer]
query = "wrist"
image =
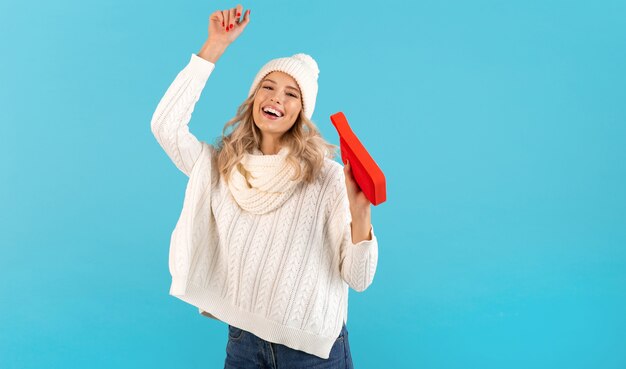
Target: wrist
x,y
361,215
362,221
212,50
361,231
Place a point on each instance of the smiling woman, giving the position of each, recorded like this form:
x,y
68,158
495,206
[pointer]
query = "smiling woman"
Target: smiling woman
x,y
273,231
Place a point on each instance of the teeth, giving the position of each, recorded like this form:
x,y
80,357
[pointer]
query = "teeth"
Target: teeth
x,y
266,109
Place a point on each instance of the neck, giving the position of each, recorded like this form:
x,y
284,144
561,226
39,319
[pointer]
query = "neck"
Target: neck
x,y
269,146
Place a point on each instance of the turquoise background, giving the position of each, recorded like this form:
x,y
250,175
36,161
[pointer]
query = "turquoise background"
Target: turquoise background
x,y
500,126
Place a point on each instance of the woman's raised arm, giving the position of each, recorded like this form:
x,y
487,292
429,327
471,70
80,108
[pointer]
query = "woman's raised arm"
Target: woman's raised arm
x,y
171,118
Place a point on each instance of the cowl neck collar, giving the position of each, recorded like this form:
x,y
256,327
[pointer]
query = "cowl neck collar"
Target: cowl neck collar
x,y
261,183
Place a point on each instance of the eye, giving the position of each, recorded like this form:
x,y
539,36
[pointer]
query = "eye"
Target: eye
x,y
268,87
294,95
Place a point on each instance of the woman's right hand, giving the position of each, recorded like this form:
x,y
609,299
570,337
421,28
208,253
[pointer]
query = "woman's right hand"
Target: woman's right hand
x,y
225,25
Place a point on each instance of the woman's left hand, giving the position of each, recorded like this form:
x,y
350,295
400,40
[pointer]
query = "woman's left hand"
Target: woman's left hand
x,y
359,204
360,208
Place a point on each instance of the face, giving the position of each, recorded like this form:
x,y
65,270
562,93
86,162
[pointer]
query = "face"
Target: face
x,y
279,91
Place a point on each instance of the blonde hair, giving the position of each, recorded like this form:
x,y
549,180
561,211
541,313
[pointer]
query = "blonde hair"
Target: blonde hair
x,y
304,140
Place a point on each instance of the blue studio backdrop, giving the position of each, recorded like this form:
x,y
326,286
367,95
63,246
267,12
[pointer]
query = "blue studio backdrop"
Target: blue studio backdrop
x,y
500,127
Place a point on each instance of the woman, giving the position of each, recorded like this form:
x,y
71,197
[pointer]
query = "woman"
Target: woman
x,y
272,231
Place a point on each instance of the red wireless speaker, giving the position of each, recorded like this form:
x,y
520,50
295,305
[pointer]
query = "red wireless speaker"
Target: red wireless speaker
x,y
366,173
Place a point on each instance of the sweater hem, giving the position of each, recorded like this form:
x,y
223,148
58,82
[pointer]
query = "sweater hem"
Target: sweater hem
x,y
269,330
178,286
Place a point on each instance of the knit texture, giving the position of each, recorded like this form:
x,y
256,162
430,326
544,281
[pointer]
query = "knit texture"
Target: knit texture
x,y
283,275
261,183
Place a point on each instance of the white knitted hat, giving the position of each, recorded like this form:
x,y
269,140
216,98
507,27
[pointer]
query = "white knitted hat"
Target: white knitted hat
x,y
303,69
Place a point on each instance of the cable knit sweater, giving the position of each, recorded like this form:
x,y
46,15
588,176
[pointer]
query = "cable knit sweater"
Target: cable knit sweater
x,y
283,274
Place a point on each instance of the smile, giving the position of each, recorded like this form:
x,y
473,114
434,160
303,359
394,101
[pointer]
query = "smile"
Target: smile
x,y
270,116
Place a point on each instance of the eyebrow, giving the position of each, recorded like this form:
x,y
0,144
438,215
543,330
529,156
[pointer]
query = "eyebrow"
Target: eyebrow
x,y
269,80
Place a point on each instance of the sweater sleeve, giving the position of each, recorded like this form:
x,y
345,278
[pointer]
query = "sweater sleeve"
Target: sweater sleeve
x,y
357,262
171,118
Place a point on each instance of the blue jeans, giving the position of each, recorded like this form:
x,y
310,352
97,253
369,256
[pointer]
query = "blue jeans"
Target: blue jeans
x,y
246,351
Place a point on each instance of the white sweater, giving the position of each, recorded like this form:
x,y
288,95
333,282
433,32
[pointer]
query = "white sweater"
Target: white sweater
x,y
283,275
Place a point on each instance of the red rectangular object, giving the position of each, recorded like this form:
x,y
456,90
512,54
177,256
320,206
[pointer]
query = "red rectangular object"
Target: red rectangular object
x,y
367,174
